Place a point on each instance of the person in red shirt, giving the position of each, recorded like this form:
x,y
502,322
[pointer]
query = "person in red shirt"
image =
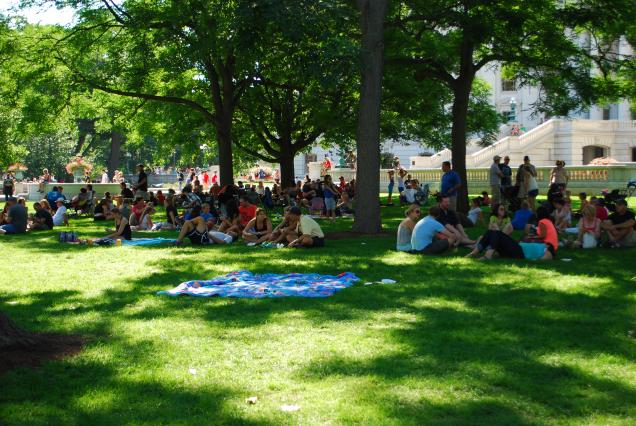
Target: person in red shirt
x,y
599,205
215,178
247,211
206,179
137,210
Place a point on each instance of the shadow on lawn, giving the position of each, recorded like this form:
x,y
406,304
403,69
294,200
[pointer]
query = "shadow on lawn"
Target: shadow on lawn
x,y
499,339
75,391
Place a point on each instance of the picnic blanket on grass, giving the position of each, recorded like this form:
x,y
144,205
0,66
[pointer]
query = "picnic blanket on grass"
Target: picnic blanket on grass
x,y
148,241
244,284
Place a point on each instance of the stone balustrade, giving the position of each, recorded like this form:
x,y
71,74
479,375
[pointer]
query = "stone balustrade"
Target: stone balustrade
x,y
591,179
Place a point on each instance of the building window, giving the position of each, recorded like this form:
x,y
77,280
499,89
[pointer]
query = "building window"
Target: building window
x,y
606,113
508,85
634,155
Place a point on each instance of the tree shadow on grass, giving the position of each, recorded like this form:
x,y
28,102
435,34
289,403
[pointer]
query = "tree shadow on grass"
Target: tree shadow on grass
x,y
82,391
503,338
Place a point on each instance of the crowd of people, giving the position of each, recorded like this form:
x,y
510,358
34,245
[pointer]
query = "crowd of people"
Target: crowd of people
x,y
212,215
542,229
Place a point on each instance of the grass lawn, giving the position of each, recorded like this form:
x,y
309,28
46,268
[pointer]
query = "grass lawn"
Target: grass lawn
x,y
455,341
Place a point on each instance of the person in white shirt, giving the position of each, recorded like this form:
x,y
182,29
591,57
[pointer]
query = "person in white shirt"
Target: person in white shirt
x,y
475,213
105,176
309,233
60,217
409,193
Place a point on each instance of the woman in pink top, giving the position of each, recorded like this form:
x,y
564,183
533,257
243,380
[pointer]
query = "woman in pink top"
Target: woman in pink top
x,y
589,228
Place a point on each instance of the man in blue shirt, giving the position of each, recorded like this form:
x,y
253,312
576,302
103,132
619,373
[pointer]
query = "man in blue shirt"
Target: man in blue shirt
x,y
52,197
424,238
450,184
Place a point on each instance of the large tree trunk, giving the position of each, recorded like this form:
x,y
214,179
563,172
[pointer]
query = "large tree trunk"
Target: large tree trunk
x,y
85,127
13,336
367,216
224,141
461,92
114,157
287,173
458,148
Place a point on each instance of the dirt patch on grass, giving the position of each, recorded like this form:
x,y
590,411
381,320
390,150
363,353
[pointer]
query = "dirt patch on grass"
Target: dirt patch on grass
x,y
46,347
340,235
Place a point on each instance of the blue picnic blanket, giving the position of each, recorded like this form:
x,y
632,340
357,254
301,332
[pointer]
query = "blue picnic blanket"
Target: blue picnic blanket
x,y
148,241
244,284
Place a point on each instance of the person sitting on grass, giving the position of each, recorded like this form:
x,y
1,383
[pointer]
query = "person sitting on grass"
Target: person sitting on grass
x,y
197,232
589,228
15,219
475,215
283,229
137,210
259,229
620,226
497,243
408,195
522,217
562,214
52,197
46,206
485,199
601,210
345,205
247,211
122,227
308,234
145,222
231,223
405,229
499,220
42,219
60,217
80,200
430,236
101,211
450,220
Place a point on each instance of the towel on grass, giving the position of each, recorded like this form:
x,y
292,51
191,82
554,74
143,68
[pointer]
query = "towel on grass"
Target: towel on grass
x,y
148,241
244,284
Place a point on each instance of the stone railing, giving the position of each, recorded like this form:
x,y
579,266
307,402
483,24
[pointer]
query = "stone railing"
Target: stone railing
x,y
592,179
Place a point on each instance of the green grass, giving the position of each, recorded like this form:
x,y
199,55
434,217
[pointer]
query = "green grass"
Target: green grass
x,y
455,341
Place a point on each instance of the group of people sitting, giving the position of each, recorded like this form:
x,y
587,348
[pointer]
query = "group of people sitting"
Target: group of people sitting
x,y
543,230
15,218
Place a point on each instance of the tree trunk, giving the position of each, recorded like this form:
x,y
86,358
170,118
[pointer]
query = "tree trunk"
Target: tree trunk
x,y
114,157
85,127
287,173
13,336
458,147
224,141
367,196
461,92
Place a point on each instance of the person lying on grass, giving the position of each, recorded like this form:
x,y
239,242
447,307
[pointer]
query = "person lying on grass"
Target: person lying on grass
x,y
197,232
259,229
308,233
122,227
430,236
405,229
544,247
499,220
495,242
